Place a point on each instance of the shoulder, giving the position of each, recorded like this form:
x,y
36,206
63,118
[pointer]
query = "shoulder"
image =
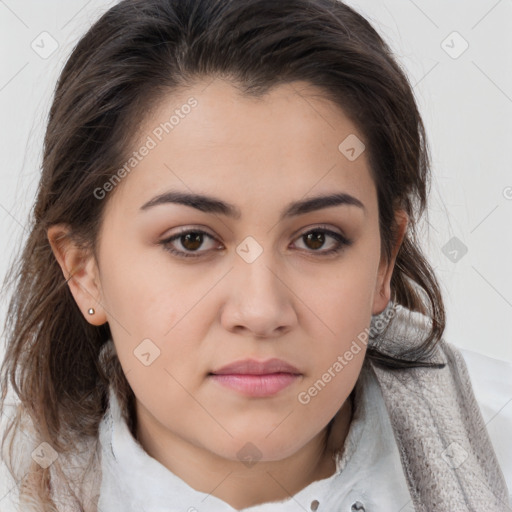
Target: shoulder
x,y
491,380
472,392
80,468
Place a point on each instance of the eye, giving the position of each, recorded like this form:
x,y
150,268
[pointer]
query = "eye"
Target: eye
x,y
192,240
316,238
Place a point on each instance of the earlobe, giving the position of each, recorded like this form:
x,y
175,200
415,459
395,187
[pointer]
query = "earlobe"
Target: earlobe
x,y
81,272
383,285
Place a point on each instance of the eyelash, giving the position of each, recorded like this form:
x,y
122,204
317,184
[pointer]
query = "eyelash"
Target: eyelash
x,y
341,240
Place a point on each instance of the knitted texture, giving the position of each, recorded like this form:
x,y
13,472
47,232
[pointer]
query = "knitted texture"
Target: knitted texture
x,y
447,456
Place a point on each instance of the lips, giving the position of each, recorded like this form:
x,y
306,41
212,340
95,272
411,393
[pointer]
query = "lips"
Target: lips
x,y
256,379
253,367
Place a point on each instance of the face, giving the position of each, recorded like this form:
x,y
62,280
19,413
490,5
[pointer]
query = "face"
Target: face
x,y
190,288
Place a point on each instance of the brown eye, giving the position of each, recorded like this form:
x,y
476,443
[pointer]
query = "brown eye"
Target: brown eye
x,y
316,239
190,241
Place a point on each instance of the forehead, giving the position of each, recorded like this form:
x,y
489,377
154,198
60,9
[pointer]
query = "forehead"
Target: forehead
x,y
210,138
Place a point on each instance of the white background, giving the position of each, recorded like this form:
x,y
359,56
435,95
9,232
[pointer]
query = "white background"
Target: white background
x,y
466,103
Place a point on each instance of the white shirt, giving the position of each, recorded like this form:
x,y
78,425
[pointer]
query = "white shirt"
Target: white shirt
x,y
491,380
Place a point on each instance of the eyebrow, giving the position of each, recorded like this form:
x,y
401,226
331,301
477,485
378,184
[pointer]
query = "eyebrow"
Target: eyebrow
x,y
210,204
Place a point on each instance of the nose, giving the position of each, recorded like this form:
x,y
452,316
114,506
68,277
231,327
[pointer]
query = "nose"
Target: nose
x,y
258,302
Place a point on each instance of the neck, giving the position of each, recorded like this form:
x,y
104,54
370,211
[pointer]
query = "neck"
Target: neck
x,y
242,486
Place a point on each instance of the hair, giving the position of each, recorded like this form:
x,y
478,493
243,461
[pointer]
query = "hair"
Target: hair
x,y
137,53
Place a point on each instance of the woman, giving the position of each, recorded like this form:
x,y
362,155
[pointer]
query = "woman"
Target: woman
x,y
222,304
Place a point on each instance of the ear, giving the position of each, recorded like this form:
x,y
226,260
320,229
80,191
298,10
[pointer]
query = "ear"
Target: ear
x,y
81,272
382,293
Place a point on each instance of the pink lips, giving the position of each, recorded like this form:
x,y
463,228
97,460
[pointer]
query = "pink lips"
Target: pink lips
x,y
256,378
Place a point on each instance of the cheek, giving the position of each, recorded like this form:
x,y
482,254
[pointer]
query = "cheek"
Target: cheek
x,y
152,319
149,314
342,293
324,392
142,293
343,309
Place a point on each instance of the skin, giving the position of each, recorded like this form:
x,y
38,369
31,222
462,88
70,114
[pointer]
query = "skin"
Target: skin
x,y
291,302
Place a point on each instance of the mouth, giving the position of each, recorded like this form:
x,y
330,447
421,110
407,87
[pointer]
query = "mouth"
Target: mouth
x,y
256,378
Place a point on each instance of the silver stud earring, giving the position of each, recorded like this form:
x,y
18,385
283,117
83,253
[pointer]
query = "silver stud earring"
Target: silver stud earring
x,y
91,311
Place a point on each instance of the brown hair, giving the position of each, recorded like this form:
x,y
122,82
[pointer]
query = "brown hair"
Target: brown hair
x,y
137,52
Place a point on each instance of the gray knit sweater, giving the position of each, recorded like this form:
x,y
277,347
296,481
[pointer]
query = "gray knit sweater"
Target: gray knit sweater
x,y
446,453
